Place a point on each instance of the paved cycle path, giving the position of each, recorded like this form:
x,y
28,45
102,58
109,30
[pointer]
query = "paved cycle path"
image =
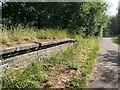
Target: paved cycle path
x,y
105,71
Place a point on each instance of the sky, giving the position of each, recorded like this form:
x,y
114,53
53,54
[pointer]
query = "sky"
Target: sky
x,y
113,7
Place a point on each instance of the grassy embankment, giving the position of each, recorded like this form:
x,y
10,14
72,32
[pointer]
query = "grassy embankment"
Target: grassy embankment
x,y
68,69
10,37
116,39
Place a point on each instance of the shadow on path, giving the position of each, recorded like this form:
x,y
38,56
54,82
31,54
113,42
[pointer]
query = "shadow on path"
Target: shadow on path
x,y
109,62
111,56
105,73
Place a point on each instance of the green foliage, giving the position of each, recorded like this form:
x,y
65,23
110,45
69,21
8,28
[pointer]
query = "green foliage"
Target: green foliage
x,y
113,28
116,39
15,79
86,67
40,70
36,71
32,34
52,34
84,18
28,79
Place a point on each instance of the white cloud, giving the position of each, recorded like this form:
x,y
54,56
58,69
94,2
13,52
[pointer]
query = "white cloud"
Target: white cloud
x,y
112,9
0,3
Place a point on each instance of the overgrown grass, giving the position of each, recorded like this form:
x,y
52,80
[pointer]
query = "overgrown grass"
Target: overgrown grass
x,y
116,39
86,50
80,58
31,34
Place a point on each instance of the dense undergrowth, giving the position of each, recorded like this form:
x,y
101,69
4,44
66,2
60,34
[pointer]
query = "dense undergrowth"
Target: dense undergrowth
x,y
69,69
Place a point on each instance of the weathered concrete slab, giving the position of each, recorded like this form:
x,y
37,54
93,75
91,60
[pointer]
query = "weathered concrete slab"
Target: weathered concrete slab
x,y
57,41
18,48
23,60
10,49
32,45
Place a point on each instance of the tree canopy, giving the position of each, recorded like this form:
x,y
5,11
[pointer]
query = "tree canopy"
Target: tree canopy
x,y
113,25
87,18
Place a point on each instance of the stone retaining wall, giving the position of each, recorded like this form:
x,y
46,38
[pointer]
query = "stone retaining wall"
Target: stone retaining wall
x,y
39,50
19,57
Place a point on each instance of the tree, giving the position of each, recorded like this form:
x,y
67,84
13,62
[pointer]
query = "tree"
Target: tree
x,y
86,18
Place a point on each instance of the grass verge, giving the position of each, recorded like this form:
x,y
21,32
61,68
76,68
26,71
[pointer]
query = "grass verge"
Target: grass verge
x,y
69,69
31,34
116,39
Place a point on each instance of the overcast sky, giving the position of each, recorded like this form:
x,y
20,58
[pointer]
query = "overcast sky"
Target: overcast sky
x,y
113,5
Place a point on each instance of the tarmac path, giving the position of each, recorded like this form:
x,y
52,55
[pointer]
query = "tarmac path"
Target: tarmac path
x,y
106,68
